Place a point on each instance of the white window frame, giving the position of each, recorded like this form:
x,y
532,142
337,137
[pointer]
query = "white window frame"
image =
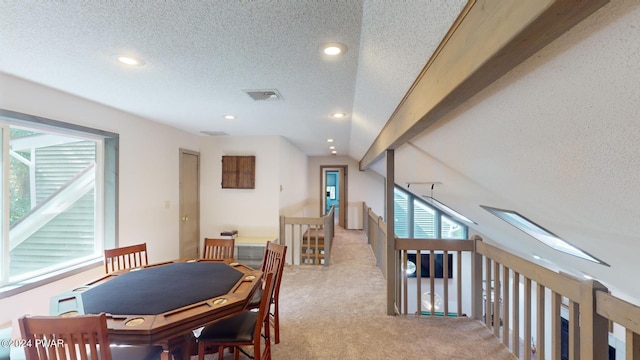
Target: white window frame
x,y
105,195
439,214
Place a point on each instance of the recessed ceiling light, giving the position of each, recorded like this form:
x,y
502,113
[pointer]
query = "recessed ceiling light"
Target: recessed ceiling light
x,y
338,115
329,140
332,147
334,152
334,49
229,117
130,60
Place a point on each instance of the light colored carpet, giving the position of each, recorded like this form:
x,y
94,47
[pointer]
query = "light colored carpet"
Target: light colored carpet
x,y
338,312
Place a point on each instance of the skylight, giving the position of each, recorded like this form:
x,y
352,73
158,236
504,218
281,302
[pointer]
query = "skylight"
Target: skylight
x,y
448,210
541,234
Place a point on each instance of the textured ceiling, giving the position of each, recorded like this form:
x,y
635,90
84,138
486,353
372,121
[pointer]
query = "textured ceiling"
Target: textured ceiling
x,y
557,139
396,42
200,55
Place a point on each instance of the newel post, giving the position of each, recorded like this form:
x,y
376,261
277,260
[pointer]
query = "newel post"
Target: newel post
x,y
594,328
390,240
283,239
476,280
365,221
329,221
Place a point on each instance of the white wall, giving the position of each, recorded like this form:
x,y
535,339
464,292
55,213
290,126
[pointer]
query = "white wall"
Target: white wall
x,y
148,178
253,212
294,179
555,139
362,186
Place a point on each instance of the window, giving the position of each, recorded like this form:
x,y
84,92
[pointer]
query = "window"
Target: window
x,y
425,220
59,187
451,229
539,233
416,218
401,212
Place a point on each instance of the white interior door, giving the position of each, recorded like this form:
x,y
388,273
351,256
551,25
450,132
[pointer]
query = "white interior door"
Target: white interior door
x,y
189,204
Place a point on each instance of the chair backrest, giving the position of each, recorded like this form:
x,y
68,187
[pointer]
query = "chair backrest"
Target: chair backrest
x,y
273,261
218,249
125,257
65,338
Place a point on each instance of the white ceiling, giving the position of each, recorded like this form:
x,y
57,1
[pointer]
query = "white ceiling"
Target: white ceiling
x,y
556,139
201,55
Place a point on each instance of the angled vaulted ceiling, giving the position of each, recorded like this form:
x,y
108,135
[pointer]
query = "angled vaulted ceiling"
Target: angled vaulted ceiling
x,y
556,138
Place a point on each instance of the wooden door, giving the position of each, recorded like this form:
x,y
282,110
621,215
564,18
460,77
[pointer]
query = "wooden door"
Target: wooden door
x,y
189,204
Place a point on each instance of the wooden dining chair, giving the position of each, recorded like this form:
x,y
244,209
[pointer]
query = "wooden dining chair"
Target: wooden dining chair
x,y
218,249
273,261
125,257
80,337
244,329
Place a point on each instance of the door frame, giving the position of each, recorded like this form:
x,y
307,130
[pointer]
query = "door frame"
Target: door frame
x,y
342,193
180,205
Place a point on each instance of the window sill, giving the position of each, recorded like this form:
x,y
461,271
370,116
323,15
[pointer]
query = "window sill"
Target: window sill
x,y
17,288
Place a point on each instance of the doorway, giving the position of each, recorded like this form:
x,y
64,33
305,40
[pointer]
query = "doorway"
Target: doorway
x,y
333,191
189,204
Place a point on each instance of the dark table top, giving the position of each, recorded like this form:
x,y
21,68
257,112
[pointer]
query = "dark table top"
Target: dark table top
x,y
160,303
159,289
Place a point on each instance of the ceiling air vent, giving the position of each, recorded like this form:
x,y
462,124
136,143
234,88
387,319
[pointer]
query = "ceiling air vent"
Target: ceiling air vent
x,y
214,133
264,95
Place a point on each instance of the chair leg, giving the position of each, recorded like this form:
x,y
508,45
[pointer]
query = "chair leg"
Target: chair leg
x,y
200,351
276,326
266,352
274,319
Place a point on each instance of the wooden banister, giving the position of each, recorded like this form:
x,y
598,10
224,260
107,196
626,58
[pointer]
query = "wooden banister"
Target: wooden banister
x,y
588,304
309,238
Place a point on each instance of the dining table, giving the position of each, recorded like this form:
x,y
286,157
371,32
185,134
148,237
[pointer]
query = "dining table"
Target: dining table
x,y
161,304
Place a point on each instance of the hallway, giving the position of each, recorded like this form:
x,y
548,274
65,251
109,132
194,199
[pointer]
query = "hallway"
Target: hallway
x,y
338,312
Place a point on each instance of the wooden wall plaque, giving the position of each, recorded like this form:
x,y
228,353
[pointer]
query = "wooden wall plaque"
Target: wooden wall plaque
x,y
238,172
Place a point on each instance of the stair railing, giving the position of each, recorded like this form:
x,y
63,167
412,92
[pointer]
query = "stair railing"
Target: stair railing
x,y
309,238
523,303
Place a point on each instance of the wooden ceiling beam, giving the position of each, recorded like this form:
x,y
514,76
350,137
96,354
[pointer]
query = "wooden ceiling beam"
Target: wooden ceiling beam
x,y
489,38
